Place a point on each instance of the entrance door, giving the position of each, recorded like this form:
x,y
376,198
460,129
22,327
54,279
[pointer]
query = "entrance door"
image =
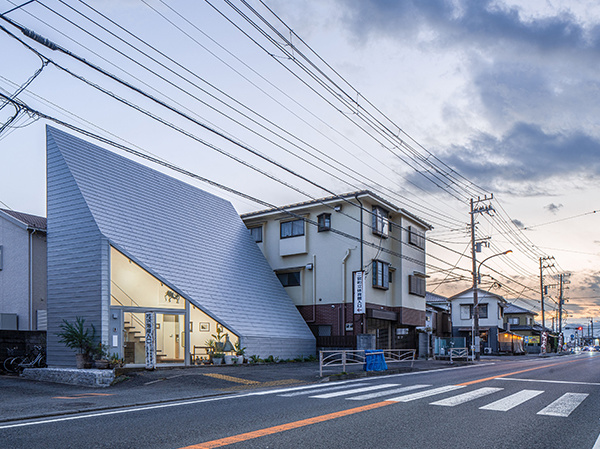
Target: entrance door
x,y
170,338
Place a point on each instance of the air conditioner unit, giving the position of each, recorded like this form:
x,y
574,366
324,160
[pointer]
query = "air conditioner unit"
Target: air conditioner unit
x,y
487,350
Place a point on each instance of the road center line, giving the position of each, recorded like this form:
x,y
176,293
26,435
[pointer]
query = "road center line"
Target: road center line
x,y
548,381
283,427
485,379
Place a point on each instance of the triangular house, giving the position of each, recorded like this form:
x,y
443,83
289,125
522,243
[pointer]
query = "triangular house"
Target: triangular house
x,y
128,244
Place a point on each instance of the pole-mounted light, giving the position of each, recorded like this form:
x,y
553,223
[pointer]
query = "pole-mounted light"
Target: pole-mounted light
x,y
486,259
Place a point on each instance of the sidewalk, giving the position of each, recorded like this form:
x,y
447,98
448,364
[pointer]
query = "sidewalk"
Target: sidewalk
x,y
26,399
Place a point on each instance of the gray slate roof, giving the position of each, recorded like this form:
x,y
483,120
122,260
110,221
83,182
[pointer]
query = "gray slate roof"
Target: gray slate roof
x,y
191,240
511,308
31,221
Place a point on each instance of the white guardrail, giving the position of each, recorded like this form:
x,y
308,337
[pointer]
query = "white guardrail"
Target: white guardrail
x,y
459,353
357,357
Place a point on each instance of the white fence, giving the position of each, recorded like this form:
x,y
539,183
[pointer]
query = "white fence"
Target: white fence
x,y
358,357
459,353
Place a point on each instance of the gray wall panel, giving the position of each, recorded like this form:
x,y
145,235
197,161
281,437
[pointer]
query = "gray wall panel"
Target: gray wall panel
x,y
75,276
191,240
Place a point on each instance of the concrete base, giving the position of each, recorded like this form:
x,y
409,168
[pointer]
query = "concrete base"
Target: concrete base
x,y
72,376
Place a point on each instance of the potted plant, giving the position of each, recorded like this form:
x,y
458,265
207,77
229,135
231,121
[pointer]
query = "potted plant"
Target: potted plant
x,y
217,358
115,361
101,356
216,346
239,352
77,336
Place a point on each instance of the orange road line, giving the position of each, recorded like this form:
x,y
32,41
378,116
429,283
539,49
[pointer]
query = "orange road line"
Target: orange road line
x,y
289,426
94,394
515,372
83,395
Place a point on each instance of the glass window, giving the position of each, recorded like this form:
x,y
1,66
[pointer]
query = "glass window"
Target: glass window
x,y
324,222
416,238
416,285
289,279
465,311
483,310
380,221
132,286
513,320
256,233
291,228
381,274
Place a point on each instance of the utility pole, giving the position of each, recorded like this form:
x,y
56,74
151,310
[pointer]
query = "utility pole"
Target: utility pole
x,y
477,210
560,303
542,266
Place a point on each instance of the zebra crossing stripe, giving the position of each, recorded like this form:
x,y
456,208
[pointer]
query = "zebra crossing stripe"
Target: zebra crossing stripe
x,y
314,390
354,390
564,405
426,393
466,397
378,394
512,401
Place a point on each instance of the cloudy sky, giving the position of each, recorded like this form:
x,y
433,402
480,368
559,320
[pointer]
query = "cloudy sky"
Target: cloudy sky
x,y
482,96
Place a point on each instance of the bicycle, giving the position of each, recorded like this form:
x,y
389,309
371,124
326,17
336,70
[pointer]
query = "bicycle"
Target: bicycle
x,y
35,359
11,359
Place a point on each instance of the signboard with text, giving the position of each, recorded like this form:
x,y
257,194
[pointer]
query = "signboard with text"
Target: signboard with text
x,y
150,340
359,292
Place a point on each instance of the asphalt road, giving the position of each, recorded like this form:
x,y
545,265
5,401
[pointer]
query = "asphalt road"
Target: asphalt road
x,y
528,403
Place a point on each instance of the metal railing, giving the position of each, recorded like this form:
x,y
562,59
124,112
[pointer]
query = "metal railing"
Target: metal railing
x,y
459,353
344,358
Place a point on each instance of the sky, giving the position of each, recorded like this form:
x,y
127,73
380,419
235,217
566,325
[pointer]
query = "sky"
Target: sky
x,y
428,103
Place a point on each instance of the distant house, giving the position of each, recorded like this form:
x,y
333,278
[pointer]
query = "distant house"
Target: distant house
x,y
438,321
155,264
22,271
439,315
522,322
317,247
491,317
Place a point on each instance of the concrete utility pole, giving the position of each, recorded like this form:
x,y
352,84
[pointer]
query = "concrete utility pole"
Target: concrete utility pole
x,y
560,304
542,266
477,210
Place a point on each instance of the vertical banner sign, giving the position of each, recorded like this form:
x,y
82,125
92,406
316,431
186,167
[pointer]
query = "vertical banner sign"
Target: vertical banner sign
x,y
150,340
544,341
561,341
359,292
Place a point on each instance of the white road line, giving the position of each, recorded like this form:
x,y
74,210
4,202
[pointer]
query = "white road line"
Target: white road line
x,y
314,390
387,392
354,390
374,378
85,415
466,397
548,381
564,405
425,394
512,401
304,387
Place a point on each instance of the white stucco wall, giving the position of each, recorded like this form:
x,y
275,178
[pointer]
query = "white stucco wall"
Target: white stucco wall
x,y
14,276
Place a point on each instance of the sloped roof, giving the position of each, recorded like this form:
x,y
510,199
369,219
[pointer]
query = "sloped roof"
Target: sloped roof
x,y
433,297
30,221
479,292
511,308
336,199
191,240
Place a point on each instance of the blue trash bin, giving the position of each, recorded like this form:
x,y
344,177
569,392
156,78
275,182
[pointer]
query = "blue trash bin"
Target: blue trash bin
x,y
374,360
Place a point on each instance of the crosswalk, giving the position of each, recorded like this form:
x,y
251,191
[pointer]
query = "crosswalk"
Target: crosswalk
x,y
394,392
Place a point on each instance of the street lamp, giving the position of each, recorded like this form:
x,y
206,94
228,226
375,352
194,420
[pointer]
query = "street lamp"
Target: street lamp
x,y
485,260
476,282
